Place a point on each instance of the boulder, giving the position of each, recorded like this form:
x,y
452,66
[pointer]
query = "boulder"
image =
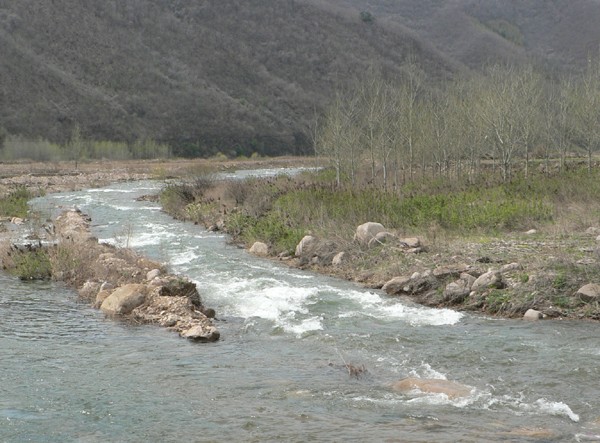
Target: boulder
x,y
125,299
491,279
367,231
452,389
589,292
397,285
532,314
180,287
260,249
457,291
306,246
201,333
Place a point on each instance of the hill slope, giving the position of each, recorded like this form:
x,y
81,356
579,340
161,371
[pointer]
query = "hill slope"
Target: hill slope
x,y
203,75
242,76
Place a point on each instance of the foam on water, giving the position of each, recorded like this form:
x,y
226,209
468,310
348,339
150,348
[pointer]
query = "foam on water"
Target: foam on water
x,y
381,308
556,408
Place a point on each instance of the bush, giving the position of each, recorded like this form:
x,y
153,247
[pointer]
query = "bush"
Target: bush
x,y
175,197
32,265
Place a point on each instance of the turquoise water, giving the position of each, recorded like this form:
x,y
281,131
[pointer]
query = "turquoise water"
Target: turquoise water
x,y
278,373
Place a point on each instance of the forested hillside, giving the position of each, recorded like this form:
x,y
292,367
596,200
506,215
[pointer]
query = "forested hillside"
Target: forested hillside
x,y
245,76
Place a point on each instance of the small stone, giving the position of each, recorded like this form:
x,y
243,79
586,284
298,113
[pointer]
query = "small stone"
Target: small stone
x,y
510,267
339,259
531,232
592,230
151,275
411,242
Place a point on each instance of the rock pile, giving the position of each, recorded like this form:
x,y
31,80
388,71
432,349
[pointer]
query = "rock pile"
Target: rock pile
x,y
134,288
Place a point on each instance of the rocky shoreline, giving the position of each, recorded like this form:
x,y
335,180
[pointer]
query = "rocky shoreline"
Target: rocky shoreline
x,y
511,277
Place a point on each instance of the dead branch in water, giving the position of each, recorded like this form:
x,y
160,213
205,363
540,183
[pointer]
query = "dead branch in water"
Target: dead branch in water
x,y
353,371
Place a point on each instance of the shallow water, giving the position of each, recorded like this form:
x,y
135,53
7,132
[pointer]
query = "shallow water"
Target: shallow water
x,y
278,372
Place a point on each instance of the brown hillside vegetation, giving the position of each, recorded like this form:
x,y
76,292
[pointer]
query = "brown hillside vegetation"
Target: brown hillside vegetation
x,y
249,76
559,34
238,76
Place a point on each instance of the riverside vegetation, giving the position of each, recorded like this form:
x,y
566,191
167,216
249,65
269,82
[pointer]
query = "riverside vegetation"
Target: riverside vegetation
x,y
538,235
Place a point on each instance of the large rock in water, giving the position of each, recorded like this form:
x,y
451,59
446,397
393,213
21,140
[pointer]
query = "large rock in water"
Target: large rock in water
x,y
201,333
123,300
432,386
367,231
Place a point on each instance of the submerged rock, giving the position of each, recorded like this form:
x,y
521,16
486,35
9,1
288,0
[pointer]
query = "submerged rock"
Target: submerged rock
x,y
452,389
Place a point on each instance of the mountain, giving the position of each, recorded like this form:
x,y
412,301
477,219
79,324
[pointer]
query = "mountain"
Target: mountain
x,y
243,76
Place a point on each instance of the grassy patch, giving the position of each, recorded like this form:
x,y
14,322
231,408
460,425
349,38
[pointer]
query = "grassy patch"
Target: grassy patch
x,y
15,203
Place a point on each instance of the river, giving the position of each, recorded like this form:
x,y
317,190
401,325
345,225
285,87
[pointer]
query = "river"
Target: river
x,y
278,373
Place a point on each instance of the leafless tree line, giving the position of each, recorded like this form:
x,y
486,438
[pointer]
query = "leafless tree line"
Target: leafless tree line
x,y
506,118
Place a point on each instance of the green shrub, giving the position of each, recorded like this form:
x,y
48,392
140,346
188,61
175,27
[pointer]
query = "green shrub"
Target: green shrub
x,y
175,197
32,265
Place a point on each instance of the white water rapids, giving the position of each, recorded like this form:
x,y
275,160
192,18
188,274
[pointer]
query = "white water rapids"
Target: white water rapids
x,y
278,372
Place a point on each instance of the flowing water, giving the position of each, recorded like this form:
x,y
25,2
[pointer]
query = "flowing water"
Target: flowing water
x,y
278,373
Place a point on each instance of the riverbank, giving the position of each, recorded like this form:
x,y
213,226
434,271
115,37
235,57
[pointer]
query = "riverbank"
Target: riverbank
x,y
544,267
549,270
